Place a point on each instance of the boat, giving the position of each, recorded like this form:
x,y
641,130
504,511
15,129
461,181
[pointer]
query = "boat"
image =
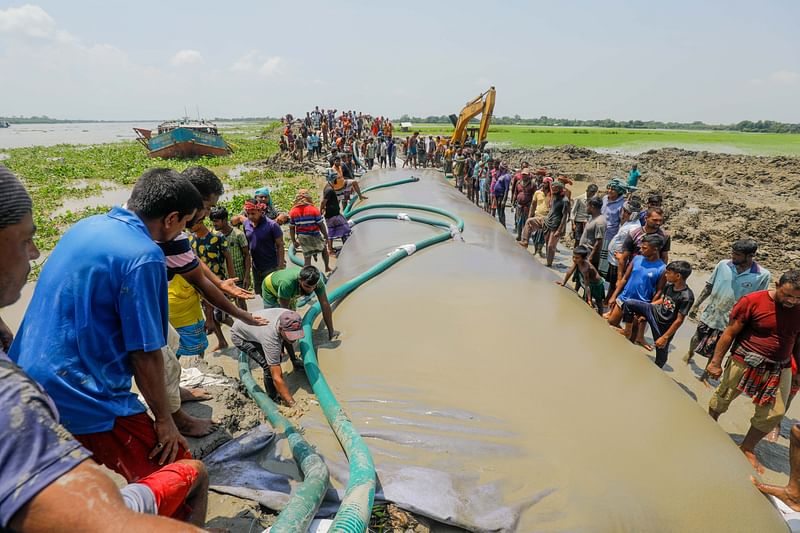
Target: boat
x,y
4,124
183,138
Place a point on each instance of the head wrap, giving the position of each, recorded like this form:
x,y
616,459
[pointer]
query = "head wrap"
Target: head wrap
x,y
303,197
616,185
263,191
565,180
252,205
541,171
547,179
14,199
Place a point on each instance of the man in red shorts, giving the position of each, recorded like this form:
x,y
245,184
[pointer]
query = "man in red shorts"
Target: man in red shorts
x,y
98,320
47,481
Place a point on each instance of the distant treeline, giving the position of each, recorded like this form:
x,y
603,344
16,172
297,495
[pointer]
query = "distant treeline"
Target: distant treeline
x,y
44,119
760,126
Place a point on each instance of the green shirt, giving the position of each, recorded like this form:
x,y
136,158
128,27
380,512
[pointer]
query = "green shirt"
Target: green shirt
x,y
237,241
285,285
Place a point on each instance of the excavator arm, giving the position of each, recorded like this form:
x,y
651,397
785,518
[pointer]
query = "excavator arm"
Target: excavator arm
x,y
483,104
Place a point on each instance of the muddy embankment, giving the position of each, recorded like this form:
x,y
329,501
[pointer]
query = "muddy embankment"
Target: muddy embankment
x,y
710,199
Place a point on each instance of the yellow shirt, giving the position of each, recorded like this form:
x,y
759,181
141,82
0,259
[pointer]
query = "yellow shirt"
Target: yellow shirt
x,y
541,204
184,303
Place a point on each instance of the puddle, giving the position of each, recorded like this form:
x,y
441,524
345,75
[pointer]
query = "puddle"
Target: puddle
x,y
236,171
112,194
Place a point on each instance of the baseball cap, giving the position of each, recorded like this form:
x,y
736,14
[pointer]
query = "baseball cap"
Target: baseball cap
x,y
291,325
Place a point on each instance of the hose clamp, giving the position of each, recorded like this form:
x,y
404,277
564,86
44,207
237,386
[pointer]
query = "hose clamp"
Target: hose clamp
x,y
407,248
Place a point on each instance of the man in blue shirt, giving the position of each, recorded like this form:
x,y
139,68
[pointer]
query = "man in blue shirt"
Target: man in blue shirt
x,y
46,479
643,279
98,318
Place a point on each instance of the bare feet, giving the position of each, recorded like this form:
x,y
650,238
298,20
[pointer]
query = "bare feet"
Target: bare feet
x,y
220,346
751,456
190,426
648,347
194,395
619,330
688,358
523,244
782,493
773,435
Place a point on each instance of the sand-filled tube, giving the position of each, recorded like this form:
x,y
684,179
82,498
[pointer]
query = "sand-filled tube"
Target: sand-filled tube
x,y
466,359
354,512
301,508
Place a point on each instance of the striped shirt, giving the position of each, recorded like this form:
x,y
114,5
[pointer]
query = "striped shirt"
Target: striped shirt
x,y
305,219
179,256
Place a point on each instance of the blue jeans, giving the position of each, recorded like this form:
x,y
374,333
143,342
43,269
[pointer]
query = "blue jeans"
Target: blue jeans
x,y
646,310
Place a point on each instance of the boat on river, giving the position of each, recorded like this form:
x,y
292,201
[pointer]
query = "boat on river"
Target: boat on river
x,y
183,138
4,124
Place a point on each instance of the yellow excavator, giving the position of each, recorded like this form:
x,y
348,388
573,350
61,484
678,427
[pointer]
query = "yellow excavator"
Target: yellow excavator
x,y
483,104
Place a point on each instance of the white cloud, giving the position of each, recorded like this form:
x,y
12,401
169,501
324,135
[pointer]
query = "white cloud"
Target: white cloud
x,y
256,62
784,76
271,66
31,22
246,63
186,57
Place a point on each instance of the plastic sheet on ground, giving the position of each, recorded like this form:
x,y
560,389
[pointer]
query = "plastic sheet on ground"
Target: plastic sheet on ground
x,y
258,466
193,377
493,399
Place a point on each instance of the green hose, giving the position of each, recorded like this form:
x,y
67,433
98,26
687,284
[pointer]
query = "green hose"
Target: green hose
x,y
353,199
356,506
305,501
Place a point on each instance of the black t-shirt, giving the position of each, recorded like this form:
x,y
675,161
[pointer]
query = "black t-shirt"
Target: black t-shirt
x,y
346,172
332,207
556,214
633,242
674,302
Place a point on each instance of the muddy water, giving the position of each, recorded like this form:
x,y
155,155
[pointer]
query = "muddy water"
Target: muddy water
x,y
466,358
20,135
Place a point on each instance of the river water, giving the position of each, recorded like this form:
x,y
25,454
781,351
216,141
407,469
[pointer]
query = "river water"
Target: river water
x,y
21,135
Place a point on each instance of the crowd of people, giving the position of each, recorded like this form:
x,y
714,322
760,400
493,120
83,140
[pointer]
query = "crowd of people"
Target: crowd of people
x,y
621,266
124,295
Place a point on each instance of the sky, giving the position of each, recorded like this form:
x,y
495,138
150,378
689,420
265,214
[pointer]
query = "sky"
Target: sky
x,y
713,61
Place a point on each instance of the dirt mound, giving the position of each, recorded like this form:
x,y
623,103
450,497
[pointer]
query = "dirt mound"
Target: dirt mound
x,y
710,199
283,162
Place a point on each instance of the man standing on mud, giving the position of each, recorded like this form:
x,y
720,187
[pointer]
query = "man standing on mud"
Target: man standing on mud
x,y
554,223
579,215
265,238
612,209
98,318
763,336
730,280
632,244
594,231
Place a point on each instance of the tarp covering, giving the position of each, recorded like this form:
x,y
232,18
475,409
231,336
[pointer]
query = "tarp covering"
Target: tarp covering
x,y
494,400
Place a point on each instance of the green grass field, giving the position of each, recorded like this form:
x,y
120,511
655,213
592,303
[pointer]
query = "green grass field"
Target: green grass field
x,y
634,140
